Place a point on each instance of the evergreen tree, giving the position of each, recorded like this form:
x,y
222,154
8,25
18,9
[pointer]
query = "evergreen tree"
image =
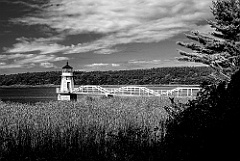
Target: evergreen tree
x,y
221,49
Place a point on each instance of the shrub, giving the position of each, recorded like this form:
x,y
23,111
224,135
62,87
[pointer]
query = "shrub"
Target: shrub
x,y
208,127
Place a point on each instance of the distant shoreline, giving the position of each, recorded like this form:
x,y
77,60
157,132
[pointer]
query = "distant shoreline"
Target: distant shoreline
x,y
146,85
30,86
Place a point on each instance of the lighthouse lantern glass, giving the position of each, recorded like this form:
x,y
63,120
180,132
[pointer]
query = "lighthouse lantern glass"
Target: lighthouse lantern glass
x,y
67,70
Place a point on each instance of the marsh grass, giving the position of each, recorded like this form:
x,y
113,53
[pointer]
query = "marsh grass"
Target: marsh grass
x,y
89,129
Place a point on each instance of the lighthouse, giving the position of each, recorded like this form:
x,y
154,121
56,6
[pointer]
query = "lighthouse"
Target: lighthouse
x,y
67,84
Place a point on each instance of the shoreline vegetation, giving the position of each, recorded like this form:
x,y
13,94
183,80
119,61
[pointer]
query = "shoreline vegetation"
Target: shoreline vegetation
x,y
167,75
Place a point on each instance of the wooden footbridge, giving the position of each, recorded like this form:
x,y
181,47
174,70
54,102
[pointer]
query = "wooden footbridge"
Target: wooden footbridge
x,y
136,91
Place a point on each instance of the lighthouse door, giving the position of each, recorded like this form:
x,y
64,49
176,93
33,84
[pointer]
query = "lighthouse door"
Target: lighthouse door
x,y
68,86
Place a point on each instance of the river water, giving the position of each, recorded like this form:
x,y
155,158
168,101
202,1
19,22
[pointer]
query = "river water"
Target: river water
x,y
45,94
28,94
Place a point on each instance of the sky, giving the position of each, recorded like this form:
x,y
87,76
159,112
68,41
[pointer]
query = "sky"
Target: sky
x,y
96,34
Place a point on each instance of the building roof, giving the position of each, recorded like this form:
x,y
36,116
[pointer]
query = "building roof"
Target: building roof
x,y
67,66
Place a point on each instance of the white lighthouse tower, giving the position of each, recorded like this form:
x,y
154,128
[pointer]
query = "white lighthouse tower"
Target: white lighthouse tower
x,y
67,84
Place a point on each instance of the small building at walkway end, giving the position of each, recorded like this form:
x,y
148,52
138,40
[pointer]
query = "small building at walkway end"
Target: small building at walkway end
x,y
65,92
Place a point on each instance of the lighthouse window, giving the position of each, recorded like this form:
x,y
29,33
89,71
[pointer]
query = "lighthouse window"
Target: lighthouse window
x,y
67,70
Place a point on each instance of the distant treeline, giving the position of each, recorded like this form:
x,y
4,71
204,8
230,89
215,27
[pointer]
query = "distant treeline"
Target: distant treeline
x,y
166,75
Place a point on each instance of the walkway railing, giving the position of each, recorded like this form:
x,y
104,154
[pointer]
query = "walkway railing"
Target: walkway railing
x,y
184,91
137,91
89,89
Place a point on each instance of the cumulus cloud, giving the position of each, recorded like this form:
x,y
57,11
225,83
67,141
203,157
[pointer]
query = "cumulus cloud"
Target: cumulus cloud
x,y
121,21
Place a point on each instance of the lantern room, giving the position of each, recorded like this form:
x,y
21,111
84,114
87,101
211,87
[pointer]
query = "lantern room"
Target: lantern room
x,y
67,69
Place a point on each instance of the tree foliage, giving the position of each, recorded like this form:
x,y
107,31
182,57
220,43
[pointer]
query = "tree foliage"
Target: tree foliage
x,y
176,75
207,128
221,49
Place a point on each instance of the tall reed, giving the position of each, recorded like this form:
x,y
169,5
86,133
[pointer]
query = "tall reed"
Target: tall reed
x,y
89,129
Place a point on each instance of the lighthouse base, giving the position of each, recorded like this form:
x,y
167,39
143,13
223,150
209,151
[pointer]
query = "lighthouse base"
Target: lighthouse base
x,y
64,96
67,97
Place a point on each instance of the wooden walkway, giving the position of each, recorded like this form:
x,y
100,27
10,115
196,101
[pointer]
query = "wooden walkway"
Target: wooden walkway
x,y
129,91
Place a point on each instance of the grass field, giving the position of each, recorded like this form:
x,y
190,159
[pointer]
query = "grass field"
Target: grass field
x,y
89,129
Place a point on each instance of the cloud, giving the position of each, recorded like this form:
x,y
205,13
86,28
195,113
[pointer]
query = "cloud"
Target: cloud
x,y
144,61
15,56
100,66
121,21
107,16
47,65
40,45
106,51
136,64
115,65
205,29
97,65
28,5
29,60
8,66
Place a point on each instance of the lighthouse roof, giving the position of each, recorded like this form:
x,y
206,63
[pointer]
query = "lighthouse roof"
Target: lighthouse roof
x,y
67,66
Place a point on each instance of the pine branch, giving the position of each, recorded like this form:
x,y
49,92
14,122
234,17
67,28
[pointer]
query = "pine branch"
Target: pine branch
x,y
195,60
218,35
195,47
194,57
196,36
